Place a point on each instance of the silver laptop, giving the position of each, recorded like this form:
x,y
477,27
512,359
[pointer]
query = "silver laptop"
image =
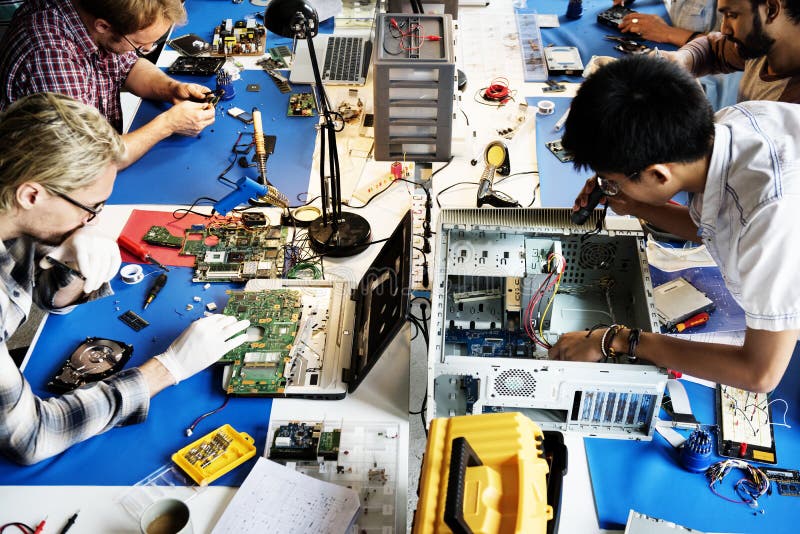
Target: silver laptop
x,y
343,56
319,338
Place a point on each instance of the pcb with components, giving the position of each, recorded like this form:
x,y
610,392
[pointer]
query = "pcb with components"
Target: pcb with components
x,y
133,320
259,365
301,441
301,105
240,38
558,151
361,456
233,250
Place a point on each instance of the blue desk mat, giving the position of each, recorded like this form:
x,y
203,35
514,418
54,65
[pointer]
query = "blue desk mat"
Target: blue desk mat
x,y
180,169
728,315
586,33
559,183
123,456
646,476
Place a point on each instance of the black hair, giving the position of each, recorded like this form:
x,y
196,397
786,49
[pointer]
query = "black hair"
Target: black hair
x,y
636,112
792,8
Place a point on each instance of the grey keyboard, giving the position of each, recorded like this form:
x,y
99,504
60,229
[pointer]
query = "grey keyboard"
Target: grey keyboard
x,y
343,59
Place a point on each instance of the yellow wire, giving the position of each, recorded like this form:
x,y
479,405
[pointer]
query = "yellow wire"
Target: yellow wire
x,y
549,303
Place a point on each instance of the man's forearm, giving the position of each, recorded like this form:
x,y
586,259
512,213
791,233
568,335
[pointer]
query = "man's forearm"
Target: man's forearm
x,y
145,80
139,141
672,218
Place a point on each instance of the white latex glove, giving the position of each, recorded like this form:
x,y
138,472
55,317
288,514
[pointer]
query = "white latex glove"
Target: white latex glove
x,y
203,343
96,256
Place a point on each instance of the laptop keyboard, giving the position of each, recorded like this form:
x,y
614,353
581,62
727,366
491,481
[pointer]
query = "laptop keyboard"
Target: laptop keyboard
x,y
343,59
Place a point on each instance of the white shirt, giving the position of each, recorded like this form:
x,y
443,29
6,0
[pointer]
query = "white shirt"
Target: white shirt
x,y
749,212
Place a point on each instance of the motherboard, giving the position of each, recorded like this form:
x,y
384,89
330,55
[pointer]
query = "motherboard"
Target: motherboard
x,y
285,340
227,249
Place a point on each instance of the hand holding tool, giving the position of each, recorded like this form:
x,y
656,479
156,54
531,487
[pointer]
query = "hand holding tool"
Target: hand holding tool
x,y
95,255
138,251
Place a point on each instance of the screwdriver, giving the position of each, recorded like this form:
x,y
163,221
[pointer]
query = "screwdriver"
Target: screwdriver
x,y
157,285
691,322
138,251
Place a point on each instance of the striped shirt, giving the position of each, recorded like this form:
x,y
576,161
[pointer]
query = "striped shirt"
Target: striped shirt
x,y
715,54
48,48
747,214
31,428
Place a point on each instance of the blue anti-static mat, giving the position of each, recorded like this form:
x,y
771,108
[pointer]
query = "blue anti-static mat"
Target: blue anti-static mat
x,y
180,169
585,33
646,476
123,456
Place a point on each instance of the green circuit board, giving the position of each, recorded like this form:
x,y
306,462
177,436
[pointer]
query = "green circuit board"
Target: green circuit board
x,y
227,252
258,366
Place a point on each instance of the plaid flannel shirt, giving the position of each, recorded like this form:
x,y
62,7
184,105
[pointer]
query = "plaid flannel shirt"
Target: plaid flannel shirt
x,y
32,428
47,48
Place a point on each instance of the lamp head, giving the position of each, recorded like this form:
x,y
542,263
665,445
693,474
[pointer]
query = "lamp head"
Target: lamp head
x,y
291,18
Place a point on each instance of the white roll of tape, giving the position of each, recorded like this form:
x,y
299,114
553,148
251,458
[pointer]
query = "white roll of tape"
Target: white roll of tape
x,y
546,107
131,274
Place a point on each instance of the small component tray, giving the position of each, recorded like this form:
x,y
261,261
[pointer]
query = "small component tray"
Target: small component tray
x,y
215,454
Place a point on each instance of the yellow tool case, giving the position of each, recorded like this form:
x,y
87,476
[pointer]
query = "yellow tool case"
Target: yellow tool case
x,y
494,473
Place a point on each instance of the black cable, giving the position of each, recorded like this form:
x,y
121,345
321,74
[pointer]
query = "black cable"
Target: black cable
x,y
21,526
535,189
190,209
443,167
465,115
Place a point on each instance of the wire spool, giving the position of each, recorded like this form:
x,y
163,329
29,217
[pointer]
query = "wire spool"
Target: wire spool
x,y
545,107
132,273
304,215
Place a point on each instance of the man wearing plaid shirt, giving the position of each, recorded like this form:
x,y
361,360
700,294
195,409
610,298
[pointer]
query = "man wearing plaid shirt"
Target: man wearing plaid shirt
x,y
91,50
58,162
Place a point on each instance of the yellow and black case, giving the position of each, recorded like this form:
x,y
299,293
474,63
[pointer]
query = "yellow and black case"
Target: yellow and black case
x,y
492,473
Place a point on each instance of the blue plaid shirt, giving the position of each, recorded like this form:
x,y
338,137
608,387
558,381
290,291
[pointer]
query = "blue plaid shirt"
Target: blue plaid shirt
x,y
31,428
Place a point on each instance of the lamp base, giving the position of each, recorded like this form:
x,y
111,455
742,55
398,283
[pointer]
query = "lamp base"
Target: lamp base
x,y
352,236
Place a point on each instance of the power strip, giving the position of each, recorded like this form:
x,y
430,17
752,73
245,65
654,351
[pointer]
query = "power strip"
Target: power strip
x,y
421,263
366,192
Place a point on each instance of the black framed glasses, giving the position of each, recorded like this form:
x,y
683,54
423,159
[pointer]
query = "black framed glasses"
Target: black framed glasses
x,y
93,212
140,50
611,188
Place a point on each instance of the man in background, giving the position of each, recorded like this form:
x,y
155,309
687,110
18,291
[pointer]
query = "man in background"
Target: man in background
x,y
92,50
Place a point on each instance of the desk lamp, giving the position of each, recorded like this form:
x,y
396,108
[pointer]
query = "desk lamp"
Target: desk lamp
x,y
334,233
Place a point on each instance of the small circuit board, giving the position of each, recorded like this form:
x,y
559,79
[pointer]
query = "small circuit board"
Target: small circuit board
x,y
558,151
133,320
258,366
301,105
301,441
239,38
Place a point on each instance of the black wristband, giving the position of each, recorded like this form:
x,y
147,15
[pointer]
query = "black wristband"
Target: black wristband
x,y
633,342
693,37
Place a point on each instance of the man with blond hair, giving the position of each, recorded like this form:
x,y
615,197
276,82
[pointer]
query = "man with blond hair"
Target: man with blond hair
x,y
58,162
92,50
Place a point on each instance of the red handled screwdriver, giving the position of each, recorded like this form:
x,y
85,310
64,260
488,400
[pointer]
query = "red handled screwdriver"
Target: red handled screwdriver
x,y
691,322
138,251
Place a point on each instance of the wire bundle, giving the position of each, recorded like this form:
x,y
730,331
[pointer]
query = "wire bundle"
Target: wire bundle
x,y
552,281
749,489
